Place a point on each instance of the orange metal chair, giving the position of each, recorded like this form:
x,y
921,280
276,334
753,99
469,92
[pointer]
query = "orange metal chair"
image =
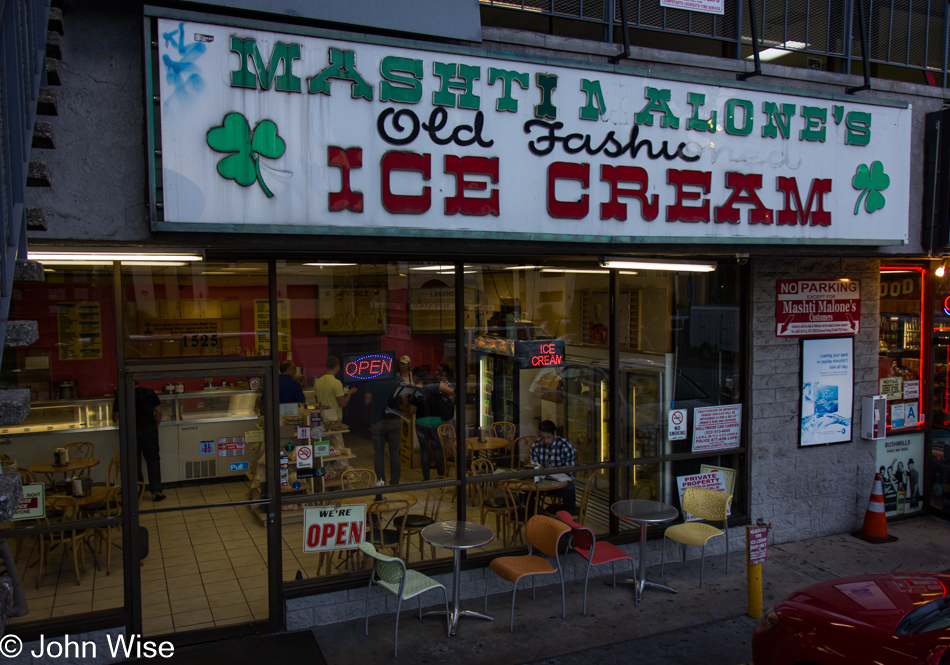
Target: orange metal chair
x,y
543,533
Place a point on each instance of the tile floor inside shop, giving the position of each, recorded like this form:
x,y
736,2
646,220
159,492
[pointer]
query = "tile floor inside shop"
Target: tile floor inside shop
x,y
205,568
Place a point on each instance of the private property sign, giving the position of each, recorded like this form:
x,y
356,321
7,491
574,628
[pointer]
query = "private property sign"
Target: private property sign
x,y
327,528
305,131
814,307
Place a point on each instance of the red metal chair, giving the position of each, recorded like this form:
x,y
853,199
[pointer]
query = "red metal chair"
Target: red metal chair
x,y
596,554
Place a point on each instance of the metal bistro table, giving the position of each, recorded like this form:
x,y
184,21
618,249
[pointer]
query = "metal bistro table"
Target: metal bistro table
x,y
458,536
644,513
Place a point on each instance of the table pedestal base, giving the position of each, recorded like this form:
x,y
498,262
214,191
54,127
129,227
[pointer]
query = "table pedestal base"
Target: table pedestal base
x,y
641,585
455,613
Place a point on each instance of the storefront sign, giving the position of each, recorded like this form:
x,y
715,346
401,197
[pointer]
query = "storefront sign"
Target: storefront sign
x,y
705,6
716,427
757,539
827,391
899,460
326,528
540,354
368,366
714,480
812,307
676,427
80,330
286,133
32,503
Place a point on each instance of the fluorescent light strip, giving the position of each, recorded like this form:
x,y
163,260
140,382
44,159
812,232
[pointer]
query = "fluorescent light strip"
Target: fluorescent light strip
x,y
44,257
658,265
329,265
577,271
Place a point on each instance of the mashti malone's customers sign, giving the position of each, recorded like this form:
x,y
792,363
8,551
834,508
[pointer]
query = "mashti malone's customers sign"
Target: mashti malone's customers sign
x,y
812,307
290,133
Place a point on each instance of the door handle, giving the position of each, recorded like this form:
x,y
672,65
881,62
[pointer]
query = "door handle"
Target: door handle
x,y
190,427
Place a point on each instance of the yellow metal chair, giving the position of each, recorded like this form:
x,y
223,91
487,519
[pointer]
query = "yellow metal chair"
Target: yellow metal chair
x,y
708,505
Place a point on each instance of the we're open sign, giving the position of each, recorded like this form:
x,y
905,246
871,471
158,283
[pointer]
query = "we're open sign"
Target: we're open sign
x,y
327,528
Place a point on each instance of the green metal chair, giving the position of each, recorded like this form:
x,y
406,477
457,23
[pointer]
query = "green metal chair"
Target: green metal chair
x,y
402,583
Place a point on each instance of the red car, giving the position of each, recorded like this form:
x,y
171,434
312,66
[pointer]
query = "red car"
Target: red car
x,y
890,619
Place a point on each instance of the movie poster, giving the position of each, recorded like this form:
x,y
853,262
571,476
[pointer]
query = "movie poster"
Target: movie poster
x,y
900,461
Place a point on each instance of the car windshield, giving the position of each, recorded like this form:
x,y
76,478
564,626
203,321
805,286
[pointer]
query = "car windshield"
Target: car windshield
x,y
934,615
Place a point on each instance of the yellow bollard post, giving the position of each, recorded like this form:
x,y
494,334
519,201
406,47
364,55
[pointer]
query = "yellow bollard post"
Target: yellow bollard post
x,y
756,542
754,584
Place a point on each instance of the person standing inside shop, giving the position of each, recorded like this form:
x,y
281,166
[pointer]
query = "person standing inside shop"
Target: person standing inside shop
x,y
385,426
329,392
148,415
425,398
551,451
405,374
289,390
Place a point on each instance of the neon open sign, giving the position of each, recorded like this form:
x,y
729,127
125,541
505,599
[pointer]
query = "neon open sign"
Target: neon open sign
x,y
540,354
371,366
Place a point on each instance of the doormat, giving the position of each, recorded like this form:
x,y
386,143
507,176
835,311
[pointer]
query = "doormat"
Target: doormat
x,y
299,646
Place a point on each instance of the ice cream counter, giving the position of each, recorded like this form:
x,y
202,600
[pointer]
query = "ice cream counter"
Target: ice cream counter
x,y
207,434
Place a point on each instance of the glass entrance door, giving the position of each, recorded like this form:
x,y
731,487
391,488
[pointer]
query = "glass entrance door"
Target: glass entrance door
x,y
937,487
201,526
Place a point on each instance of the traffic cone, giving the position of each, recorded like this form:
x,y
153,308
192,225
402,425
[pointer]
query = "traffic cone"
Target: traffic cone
x,y
875,522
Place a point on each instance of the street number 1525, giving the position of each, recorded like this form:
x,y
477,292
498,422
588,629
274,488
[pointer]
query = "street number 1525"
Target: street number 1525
x,y
199,340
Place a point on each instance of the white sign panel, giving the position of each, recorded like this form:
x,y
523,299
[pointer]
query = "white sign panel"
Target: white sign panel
x,y
327,528
676,427
705,6
911,389
288,133
827,390
304,454
716,427
714,480
32,504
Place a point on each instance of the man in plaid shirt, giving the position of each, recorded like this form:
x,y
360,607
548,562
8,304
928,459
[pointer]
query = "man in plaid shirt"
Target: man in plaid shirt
x,y
551,451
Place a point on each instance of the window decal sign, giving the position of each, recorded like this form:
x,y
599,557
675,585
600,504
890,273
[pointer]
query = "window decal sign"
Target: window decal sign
x,y
281,133
827,390
813,307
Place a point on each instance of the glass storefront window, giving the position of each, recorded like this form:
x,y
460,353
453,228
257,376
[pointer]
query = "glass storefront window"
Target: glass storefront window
x,y
201,309
901,364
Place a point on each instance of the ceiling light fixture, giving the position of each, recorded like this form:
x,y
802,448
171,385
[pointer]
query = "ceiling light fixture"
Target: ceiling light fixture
x,y
127,258
646,264
327,264
577,271
941,269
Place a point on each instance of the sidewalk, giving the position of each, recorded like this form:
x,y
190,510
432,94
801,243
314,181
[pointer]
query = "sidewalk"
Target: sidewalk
x,y
540,632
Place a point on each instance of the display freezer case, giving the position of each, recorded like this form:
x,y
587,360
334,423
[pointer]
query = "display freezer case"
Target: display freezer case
x,y
62,415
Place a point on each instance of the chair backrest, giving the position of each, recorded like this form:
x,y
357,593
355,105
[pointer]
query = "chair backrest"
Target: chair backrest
x,y
376,511
582,536
482,467
585,497
447,438
353,479
62,508
81,449
545,533
522,450
26,476
113,501
706,504
113,471
525,495
502,430
390,569
434,496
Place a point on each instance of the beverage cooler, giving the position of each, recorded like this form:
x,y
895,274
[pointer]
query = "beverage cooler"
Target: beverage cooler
x,y
206,434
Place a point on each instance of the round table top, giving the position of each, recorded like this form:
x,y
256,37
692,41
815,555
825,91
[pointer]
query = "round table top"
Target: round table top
x,y
644,511
458,535
548,484
75,464
490,443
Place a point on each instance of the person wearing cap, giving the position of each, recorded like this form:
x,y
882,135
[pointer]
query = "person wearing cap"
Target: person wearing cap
x,y
405,371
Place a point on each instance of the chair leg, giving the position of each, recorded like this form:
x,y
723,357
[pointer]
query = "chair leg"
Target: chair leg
x,y
613,569
420,606
396,638
587,577
560,575
702,566
511,625
366,609
726,529
662,557
448,618
485,610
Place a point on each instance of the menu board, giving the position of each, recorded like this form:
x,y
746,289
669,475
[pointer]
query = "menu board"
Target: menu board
x,y
433,310
262,326
347,310
80,330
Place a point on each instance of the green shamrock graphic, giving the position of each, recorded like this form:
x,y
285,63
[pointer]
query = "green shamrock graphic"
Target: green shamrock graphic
x,y
871,182
235,136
